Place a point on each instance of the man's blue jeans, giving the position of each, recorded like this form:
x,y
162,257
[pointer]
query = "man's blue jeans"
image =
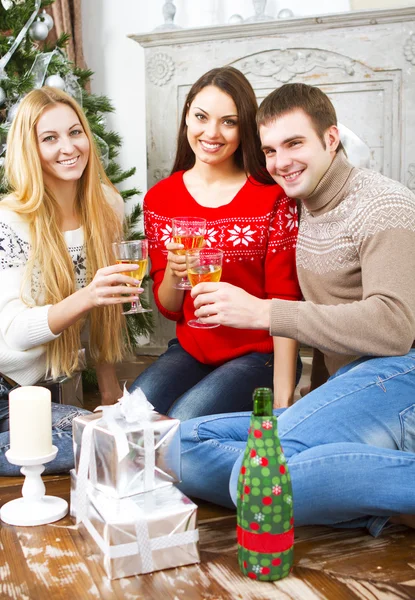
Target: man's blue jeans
x,y
350,447
180,386
62,416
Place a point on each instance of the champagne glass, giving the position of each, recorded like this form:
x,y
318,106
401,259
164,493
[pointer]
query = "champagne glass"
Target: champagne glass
x,y
203,264
133,253
190,232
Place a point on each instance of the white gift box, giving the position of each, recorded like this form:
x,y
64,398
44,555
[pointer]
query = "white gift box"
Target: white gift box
x,y
127,449
140,534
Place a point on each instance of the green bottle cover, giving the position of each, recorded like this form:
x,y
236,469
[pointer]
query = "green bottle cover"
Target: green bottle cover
x,y
265,524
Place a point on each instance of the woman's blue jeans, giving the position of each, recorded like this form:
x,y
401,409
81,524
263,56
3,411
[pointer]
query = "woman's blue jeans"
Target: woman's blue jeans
x,y
350,446
62,416
180,386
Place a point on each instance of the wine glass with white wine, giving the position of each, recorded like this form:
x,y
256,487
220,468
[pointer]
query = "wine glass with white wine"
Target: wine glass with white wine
x,y
203,265
133,252
190,232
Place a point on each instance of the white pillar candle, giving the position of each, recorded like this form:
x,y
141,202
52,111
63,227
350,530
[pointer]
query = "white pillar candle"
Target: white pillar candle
x,y
30,417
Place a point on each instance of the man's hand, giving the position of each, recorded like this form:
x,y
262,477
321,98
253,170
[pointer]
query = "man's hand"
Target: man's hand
x,y
229,305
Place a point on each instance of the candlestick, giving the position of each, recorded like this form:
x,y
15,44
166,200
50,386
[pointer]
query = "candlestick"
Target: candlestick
x,y
30,414
34,508
259,7
169,10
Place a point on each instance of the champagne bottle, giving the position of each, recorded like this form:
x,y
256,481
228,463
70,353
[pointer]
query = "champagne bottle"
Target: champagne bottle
x,y
265,524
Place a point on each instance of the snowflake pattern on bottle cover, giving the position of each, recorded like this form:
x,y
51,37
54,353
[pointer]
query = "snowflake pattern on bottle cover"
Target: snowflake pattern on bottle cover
x,y
265,523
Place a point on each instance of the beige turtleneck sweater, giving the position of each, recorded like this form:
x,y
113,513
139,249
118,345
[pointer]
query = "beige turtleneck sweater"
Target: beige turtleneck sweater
x,y
356,267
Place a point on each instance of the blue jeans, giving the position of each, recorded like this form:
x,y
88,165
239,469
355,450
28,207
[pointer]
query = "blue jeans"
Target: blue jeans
x,y
62,416
350,446
180,386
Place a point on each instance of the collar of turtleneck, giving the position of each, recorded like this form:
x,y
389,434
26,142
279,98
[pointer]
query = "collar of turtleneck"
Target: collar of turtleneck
x,y
332,187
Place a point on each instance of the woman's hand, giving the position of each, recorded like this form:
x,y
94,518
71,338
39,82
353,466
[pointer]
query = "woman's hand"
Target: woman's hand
x,y
229,305
176,263
109,286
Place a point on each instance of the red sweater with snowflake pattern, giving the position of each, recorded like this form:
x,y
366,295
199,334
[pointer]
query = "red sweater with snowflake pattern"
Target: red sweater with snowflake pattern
x,y
257,232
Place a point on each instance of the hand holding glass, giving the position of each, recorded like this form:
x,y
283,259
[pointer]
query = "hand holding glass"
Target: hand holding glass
x,y
203,264
133,252
190,232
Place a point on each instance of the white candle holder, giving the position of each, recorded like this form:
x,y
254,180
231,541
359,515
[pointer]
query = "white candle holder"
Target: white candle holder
x,y
34,508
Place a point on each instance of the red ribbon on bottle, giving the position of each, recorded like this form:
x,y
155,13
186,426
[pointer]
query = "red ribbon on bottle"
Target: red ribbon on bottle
x,y
266,543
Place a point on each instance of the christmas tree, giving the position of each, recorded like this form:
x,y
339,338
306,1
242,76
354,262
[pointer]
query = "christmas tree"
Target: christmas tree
x,y
28,61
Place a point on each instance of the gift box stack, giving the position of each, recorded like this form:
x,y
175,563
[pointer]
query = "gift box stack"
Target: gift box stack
x,y
127,459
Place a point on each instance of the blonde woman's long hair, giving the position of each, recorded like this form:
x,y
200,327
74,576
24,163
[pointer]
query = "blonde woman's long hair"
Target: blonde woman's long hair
x,y
32,199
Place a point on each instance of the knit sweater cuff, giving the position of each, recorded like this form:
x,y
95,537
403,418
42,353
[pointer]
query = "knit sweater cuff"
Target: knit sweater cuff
x,y
38,327
284,318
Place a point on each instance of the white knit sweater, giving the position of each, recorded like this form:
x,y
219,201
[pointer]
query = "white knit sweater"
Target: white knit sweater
x,y
24,331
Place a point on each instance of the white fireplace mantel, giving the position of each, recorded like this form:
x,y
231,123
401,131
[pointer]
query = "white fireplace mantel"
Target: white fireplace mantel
x,y
364,60
357,18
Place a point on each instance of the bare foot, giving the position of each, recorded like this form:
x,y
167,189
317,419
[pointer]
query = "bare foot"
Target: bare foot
x,y
408,520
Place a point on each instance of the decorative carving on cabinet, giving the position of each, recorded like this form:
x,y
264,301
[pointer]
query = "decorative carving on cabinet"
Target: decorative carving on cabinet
x,y
284,65
160,68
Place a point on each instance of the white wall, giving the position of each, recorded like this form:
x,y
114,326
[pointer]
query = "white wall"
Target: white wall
x,y
118,62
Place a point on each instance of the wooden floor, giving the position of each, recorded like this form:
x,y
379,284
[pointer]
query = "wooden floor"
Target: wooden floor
x,y
55,562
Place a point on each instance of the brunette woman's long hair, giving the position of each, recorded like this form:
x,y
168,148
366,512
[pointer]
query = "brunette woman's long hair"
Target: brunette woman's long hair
x,y
248,155
49,254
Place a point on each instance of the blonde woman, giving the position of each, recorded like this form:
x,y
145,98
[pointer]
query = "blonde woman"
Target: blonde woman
x,y
56,230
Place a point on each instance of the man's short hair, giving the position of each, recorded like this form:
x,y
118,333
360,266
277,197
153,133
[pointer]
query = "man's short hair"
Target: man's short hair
x,y
293,96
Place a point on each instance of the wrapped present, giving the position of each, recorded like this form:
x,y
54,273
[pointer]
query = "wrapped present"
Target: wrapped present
x,y
140,534
127,449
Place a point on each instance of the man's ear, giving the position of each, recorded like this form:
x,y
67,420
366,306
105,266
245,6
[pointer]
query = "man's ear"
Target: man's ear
x,y
332,138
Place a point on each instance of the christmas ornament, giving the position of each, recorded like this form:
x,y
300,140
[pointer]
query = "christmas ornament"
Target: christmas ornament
x,y
47,19
2,96
5,59
285,13
103,150
55,81
12,112
265,532
7,4
38,31
235,20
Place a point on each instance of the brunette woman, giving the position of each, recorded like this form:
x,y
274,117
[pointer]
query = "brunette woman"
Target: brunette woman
x,y
219,174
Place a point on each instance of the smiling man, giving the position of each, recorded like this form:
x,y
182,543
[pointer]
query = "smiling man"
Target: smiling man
x,y
350,444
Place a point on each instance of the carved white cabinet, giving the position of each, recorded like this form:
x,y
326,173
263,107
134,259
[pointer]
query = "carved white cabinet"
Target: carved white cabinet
x,y
365,62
